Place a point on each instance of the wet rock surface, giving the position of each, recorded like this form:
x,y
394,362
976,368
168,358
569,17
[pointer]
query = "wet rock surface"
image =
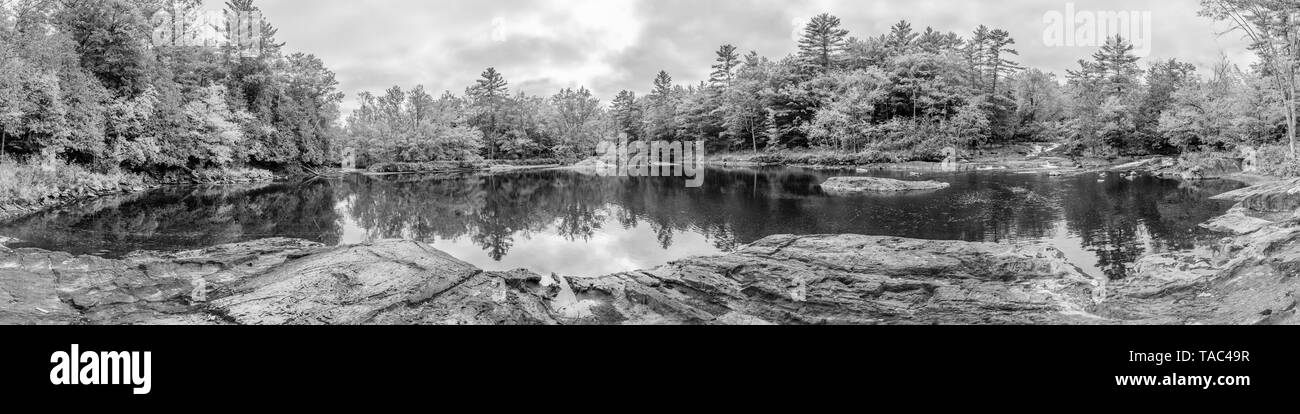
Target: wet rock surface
x,y
832,279
1253,278
861,185
265,282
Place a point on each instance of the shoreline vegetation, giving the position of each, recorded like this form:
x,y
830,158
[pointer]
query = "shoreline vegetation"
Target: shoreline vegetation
x,y
29,187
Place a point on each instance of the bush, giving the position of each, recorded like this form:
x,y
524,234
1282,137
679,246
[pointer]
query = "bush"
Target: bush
x,y
1276,161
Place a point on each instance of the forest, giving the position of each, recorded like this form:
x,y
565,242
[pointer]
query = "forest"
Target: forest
x,y
82,83
899,96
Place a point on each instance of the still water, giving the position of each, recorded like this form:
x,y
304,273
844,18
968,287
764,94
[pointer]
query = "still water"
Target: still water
x,y
579,225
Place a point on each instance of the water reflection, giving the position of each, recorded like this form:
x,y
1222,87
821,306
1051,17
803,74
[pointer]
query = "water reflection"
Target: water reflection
x,y
183,218
575,224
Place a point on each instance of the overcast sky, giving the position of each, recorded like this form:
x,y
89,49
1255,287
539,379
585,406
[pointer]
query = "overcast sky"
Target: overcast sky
x,y
610,45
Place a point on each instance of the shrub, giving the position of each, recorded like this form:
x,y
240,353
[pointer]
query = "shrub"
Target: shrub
x,y
1276,161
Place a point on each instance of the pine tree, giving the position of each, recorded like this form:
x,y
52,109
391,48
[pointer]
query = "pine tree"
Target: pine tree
x,y
490,93
996,52
1118,63
265,44
822,42
974,52
627,114
724,71
661,122
663,86
901,39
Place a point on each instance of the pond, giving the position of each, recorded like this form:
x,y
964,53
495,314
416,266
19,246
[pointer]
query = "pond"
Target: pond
x,y
573,224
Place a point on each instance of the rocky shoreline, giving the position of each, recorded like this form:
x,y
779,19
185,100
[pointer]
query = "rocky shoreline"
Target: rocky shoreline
x,y
73,195
826,279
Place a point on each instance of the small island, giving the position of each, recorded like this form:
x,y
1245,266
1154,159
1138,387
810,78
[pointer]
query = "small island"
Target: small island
x,y
860,185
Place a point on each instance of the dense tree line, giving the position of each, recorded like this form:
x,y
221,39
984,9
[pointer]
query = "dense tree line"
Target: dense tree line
x,y
87,82
84,81
907,94
488,121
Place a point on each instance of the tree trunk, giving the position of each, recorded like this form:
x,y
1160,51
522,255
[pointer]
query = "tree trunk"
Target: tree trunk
x,y
1291,120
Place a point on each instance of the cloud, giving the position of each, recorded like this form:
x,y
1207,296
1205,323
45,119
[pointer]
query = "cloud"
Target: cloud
x,y
611,45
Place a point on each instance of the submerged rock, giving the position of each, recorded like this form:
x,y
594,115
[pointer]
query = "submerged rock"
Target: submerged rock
x,y
858,185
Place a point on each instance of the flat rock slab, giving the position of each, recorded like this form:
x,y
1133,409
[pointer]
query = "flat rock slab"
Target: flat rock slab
x,y
1236,222
29,298
1279,198
866,185
849,279
346,285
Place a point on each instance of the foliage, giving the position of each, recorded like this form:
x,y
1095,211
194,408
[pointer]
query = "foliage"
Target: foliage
x,y
83,81
29,183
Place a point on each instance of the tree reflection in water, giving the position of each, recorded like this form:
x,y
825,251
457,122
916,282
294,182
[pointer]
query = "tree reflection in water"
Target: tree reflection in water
x,y
180,218
570,223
